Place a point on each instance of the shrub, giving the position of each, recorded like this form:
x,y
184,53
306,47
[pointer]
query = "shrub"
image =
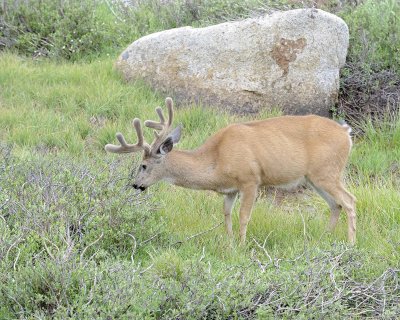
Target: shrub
x,y
73,30
375,34
370,81
61,29
62,221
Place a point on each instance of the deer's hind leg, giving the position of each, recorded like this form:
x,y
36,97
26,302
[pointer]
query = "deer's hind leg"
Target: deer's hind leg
x,y
338,197
333,205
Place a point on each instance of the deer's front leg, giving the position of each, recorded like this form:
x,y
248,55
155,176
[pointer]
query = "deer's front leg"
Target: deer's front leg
x,y
229,201
248,196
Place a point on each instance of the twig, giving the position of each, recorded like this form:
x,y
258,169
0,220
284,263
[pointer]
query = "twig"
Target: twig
x,y
260,264
202,255
16,242
44,243
4,204
198,234
16,259
16,301
304,230
149,239
134,245
147,269
89,245
48,251
92,288
262,247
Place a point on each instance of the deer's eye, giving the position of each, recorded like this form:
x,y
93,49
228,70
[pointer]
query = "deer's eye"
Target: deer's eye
x,y
144,167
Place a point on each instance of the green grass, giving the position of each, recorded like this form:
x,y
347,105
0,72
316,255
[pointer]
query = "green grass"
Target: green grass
x,y
76,243
64,113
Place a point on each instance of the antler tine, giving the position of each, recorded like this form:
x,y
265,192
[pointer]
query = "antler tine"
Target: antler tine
x,y
162,125
156,125
125,147
139,132
160,115
169,103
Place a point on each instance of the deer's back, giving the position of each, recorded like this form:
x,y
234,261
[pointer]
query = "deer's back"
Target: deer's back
x,y
280,150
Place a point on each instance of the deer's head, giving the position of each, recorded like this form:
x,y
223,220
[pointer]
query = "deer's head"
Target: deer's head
x,y
153,167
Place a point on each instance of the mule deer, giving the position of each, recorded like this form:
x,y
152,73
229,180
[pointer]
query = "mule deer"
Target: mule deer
x,y
240,158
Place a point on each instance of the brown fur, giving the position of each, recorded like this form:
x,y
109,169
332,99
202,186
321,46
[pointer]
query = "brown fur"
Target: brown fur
x,y
242,157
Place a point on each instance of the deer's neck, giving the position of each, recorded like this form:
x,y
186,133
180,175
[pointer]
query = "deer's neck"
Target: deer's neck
x,y
191,169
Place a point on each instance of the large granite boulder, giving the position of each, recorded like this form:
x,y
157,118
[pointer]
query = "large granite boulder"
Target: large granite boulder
x,y
287,59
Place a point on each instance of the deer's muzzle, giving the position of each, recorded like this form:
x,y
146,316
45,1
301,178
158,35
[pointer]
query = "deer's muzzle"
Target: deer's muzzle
x,y
141,188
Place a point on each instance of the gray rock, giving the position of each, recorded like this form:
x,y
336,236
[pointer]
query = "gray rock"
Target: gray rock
x,y
287,59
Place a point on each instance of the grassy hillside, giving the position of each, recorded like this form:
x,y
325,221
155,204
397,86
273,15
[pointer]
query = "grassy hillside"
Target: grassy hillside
x,y
76,242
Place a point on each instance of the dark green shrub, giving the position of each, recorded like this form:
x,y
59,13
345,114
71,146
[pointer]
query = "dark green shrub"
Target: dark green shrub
x,y
370,82
67,29
73,29
374,34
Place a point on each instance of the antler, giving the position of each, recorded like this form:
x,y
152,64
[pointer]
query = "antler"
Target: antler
x,y
125,147
161,130
162,126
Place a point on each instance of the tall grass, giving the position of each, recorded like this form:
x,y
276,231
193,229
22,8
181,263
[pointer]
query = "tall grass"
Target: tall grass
x,y
76,242
75,109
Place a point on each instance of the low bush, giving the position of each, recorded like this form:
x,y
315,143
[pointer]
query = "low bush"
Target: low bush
x,y
60,221
318,283
374,34
370,81
59,29
315,284
77,242
77,30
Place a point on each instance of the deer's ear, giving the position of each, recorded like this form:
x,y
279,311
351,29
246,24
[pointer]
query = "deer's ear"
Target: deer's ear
x,y
175,134
173,138
166,146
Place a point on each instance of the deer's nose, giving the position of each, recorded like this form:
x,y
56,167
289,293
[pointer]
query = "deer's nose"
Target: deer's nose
x,y
141,188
